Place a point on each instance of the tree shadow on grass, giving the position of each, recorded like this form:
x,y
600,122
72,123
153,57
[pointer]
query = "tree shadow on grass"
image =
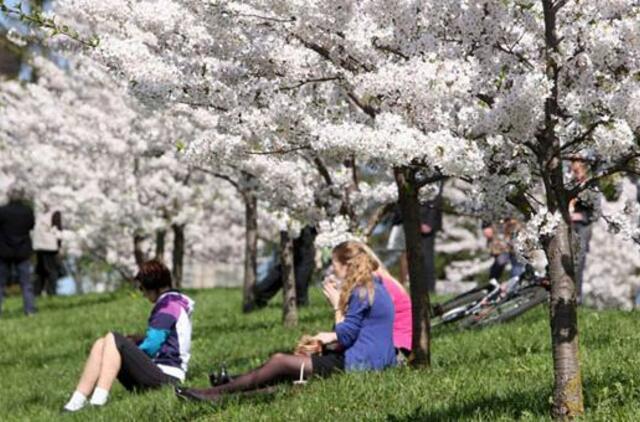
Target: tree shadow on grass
x,y
264,395
529,403
615,387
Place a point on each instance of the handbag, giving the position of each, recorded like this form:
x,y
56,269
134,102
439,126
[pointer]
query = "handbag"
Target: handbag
x,y
308,346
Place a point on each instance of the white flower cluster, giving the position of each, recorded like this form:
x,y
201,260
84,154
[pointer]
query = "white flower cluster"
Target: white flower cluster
x,y
332,233
309,107
543,223
611,275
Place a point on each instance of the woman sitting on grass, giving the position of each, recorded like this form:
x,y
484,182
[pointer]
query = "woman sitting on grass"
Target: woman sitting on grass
x,y
160,358
363,331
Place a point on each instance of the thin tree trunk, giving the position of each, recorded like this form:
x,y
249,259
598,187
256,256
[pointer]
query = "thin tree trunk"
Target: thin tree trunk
x,y
567,392
138,253
250,252
289,307
178,254
160,244
420,304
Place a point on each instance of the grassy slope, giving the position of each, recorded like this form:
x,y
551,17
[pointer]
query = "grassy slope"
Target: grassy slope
x,y
503,373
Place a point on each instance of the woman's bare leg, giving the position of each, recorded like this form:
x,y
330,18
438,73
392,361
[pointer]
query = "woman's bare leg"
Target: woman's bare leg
x,y
91,370
111,362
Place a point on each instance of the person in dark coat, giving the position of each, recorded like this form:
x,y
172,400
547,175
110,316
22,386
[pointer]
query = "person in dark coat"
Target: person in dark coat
x,y
583,210
303,265
430,224
398,243
16,222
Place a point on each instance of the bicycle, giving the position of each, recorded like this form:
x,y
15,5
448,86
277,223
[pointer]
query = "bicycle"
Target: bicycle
x,y
493,302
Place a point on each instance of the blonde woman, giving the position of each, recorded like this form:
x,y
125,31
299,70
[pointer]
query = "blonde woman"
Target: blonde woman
x,y
364,326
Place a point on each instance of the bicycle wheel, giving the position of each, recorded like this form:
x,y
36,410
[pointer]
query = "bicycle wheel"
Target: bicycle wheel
x,y
527,299
465,298
448,317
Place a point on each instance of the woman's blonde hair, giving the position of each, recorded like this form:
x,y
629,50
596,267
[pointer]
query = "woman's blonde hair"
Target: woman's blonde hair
x,y
382,270
360,268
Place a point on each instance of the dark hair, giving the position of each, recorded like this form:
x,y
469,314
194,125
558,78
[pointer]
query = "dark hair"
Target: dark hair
x,y
153,275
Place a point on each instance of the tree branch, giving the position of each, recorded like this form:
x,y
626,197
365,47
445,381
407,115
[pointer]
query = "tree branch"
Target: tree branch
x,y
387,49
583,136
367,109
278,151
519,56
309,81
623,165
38,19
322,169
222,176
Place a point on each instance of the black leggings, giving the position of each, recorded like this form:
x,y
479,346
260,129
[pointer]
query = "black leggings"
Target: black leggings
x,y
138,372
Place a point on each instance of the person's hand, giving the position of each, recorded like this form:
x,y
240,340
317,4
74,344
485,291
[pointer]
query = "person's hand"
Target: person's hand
x,y
425,228
331,292
326,338
136,338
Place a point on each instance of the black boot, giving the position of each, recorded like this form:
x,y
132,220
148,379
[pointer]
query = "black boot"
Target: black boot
x,y
220,378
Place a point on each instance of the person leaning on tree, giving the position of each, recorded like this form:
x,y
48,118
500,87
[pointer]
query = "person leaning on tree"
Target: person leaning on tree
x,y
583,210
16,223
303,266
430,224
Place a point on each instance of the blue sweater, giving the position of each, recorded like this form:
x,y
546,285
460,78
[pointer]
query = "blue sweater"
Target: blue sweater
x,y
367,331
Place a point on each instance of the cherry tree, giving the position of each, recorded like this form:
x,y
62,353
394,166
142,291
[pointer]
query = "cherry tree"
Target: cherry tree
x,y
543,90
121,177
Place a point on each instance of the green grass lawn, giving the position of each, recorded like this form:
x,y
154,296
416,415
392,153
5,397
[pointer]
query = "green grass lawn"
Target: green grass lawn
x,y
502,373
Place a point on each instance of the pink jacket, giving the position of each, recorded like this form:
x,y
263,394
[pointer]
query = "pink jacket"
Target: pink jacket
x,y
402,322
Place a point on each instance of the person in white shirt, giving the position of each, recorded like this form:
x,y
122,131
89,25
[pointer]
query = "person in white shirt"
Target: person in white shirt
x,y
46,244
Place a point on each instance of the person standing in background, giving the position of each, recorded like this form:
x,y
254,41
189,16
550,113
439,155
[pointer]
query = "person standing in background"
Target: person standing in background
x,y
303,266
397,244
584,210
500,238
16,222
46,244
430,224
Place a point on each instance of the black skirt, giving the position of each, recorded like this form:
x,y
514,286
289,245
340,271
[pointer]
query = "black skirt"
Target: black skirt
x,y
138,372
328,363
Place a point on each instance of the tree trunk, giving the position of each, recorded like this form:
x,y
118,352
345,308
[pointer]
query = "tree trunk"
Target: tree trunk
x,y
250,252
178,254
160,244
567,391
420,305
289,307
138,253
